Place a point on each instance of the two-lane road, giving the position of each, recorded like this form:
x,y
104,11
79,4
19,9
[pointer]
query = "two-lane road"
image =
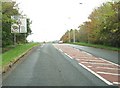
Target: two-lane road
x,y
46,66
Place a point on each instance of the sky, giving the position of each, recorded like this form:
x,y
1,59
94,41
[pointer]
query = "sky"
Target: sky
x,y
52,18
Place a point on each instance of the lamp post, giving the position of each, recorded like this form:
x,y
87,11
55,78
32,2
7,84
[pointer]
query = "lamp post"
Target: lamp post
x,y
69,36
74,36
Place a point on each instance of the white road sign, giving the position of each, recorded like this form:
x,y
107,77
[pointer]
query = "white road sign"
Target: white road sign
x,y
19,25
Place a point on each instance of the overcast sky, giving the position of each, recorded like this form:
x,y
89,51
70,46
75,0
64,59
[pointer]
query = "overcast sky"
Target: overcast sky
x,y
51,18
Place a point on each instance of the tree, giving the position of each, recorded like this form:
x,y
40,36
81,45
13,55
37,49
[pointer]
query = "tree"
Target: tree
x,y
8,10
65,37
103,26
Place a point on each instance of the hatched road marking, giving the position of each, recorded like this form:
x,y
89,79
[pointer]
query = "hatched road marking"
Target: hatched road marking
x,y
109,83
95,65
108,68
108,73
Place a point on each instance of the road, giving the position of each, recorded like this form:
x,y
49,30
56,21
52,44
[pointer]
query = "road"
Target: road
x,y
106,54
107,71
47,66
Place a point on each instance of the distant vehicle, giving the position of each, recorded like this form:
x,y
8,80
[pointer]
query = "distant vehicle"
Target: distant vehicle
x,y
60,42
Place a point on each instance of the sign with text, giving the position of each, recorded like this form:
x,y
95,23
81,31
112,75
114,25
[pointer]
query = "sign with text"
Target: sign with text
x,y
19,24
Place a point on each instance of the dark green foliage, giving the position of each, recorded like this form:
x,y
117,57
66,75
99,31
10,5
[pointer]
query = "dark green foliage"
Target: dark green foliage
x,y
8,10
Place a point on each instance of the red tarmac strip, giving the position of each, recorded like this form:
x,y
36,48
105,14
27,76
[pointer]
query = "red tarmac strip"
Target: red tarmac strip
x,y
107,70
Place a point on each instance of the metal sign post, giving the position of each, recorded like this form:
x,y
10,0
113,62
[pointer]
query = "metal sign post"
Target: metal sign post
x,y
25,38
14,38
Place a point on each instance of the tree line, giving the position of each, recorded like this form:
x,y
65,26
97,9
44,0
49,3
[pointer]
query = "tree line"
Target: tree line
x,y
9,9
102,28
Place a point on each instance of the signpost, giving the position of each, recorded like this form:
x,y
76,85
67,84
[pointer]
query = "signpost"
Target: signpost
x,y
19,25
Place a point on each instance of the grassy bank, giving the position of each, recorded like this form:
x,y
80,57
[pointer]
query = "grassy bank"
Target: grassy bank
x,y
16,52
97,46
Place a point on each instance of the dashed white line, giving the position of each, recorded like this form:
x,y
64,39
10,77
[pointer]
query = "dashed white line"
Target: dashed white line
x,y
106,73
106,81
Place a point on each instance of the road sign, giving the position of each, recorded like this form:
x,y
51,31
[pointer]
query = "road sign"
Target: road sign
x,y
14,28
19,24
23,26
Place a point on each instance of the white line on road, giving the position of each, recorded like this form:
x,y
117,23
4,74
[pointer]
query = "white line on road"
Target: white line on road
x,y
96,63
84,57
68,56
89,66
60,50
64,53
109,68
106,81
109,62
91,60
87,53
116,83
106,73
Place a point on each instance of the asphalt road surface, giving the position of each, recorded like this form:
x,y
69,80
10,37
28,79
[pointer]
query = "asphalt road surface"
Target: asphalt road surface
x,y
46,66
109,55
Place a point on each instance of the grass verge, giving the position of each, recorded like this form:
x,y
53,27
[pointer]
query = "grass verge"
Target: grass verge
x,y
96,46
14,53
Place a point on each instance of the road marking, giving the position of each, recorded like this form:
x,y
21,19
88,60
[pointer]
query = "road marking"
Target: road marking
x,y
91,60
110,62
116,83
77,59
65,53
109,68
96,63
68,56
106,73
96,60
60,50
89,66
87,53
106,81
84,57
